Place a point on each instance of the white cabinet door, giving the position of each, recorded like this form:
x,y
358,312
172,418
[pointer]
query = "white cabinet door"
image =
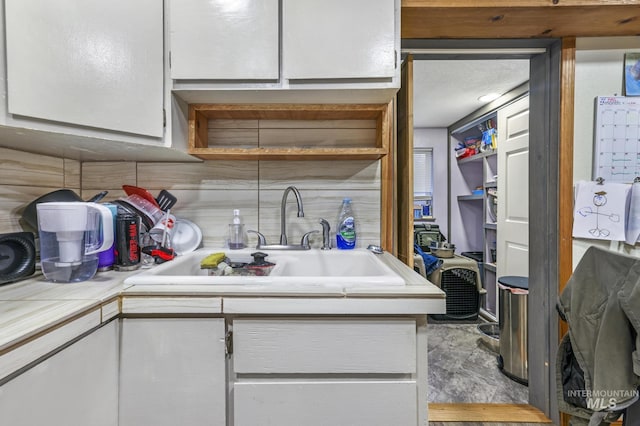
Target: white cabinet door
x,y
224,40
332,402
328,371
338,39
87,62
75,387
172,372
330,346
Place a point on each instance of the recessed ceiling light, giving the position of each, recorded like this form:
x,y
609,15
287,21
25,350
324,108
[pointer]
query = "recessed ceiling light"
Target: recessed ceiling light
x,y
489,97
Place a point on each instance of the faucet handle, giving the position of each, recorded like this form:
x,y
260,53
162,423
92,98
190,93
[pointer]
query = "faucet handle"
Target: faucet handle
x,y
326,239
305,238
262,241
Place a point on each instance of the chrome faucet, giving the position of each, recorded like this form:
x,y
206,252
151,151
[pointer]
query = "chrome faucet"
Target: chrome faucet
x,y
284,244
326,239
283,210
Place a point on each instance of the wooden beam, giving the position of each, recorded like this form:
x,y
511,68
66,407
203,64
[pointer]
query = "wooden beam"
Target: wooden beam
x,y
458,19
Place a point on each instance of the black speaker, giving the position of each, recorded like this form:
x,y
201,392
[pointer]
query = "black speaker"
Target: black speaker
x,y
17,256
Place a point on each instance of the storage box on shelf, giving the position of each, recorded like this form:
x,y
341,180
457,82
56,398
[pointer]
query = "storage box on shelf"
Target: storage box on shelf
x,y
290,131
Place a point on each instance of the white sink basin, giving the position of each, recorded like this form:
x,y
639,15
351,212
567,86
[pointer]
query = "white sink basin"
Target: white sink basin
x,y
310,267
333,263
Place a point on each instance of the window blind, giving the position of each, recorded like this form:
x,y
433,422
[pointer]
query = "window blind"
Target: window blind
x,y
423,171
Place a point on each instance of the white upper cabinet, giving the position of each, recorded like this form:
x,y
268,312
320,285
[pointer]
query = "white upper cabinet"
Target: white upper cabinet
x,y
338,39
224,39
230,51
87,62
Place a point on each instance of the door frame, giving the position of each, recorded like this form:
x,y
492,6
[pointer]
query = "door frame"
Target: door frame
x,y
549,84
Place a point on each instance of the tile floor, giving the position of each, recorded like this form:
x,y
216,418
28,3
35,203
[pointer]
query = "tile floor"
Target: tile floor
x,y
463,369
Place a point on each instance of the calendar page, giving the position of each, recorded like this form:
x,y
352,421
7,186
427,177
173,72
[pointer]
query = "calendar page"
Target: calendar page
x,y
616,156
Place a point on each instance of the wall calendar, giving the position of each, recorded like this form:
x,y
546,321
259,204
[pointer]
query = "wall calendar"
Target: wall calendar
x,y
616,156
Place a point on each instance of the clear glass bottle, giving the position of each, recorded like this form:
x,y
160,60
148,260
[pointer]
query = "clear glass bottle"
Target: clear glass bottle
x,y
237,239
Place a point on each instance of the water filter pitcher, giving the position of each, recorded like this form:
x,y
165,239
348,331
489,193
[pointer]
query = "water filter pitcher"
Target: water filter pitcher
x,y
71,235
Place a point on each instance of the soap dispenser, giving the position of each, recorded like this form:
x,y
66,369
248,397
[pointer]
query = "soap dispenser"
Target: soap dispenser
x,y
236,232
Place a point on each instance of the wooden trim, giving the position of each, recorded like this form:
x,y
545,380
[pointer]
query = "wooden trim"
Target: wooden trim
x,y
200,114
424,19
290,111
404,165
467,412
481,4
566,164
288,153
386,125
386,186
565,179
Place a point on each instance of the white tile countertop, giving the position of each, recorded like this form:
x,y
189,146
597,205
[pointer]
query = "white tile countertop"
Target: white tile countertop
x,y
103,286
37,316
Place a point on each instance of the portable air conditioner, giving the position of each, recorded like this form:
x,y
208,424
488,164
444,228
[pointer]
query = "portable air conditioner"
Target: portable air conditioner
x,y
459,278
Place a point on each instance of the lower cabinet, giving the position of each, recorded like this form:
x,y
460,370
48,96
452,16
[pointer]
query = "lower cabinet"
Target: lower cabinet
x,y
327,371
77,386
239,370
172,372
320,403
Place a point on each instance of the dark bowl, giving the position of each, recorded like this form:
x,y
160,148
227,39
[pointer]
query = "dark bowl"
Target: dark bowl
x,y
30,215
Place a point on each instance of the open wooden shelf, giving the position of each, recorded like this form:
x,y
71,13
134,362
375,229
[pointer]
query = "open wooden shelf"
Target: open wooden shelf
x,y
289,131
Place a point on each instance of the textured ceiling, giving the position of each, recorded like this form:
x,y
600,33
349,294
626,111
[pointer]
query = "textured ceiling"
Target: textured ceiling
x,y
447,90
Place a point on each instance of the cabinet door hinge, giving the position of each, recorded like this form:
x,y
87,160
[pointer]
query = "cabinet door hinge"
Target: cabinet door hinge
x,y
228,340
395,59
164,117
169,59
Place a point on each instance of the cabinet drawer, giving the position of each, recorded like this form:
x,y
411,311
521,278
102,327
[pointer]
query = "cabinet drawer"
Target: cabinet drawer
x,y
332,345
337,403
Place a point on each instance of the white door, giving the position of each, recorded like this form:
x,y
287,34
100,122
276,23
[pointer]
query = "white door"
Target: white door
x,y
172,372
338,39
77,386
224,40
87,62
513,189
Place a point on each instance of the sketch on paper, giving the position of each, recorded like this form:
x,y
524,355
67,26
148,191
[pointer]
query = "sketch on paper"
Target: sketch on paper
x,y
599,200
600,211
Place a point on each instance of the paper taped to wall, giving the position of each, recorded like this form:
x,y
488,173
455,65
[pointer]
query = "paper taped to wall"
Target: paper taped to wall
x,y
601,210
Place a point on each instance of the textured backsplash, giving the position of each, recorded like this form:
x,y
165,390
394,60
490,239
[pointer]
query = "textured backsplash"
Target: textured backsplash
x,y
208,192
25,176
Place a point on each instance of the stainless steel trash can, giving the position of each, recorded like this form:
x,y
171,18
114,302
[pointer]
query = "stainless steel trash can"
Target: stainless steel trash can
x,y
513,295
